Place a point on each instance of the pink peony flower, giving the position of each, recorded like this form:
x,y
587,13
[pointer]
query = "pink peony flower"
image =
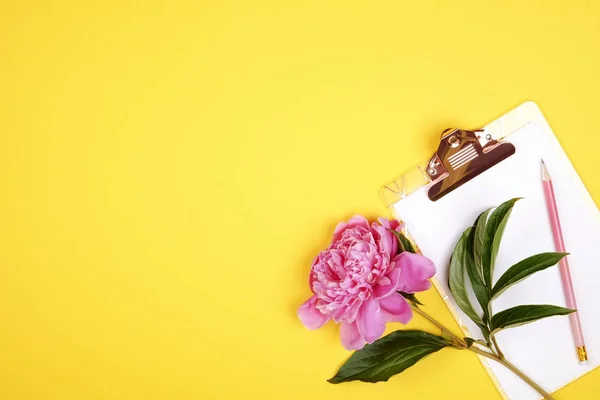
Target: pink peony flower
x,y
356,281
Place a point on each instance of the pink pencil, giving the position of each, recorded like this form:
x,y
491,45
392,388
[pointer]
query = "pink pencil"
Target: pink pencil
x,y
563,265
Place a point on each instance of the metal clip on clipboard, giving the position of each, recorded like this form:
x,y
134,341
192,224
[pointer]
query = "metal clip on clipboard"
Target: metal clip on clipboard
x,y
461,156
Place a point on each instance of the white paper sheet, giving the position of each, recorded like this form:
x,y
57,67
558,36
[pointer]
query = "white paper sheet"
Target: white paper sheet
x,y
543,349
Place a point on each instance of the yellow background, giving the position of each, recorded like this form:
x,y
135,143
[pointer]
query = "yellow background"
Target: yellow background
x,y
169,170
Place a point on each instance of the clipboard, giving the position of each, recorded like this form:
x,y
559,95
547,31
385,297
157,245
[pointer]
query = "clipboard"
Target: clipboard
x,y
474,170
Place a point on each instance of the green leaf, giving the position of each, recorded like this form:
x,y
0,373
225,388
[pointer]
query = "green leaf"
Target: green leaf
x,y
479,240
481,292
403,242
412,298
494,229
525,268
456,280
524,314
486,334
471,341
389,356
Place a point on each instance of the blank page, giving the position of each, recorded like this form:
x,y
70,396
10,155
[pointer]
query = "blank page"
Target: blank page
x,y
543,349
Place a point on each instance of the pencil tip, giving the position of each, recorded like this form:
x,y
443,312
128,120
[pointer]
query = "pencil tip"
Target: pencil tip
x,y
545,174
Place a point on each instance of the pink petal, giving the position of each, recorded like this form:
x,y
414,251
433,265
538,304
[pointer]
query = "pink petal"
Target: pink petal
x,y
384,280
310,316
387,242
395,226
337,233
369,321
389,223
357,220
395,309
382,290
416,270
394,250
351,339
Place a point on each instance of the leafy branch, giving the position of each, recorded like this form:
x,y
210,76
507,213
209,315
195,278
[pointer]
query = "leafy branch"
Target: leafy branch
x,y
474,258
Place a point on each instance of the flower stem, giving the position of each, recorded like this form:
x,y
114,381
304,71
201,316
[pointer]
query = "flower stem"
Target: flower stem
x,y
422,313
500,354
514,369
499,357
